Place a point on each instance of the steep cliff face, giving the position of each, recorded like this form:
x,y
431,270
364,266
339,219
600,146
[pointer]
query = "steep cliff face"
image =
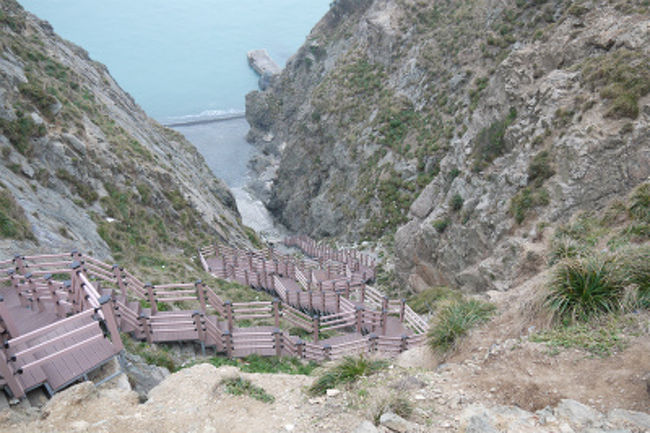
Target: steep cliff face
x,y
83,166
463,128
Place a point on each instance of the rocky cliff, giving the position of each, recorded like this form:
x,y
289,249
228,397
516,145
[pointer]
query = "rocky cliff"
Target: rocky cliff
x,y
461,128
84,167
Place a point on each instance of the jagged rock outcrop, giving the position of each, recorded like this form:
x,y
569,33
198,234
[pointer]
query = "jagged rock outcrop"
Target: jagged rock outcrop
x,y
461,128
83,166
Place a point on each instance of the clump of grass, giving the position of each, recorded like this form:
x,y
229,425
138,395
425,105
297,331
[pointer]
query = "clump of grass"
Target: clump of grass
x,y
267,364
490,141
623,77
441,224
397,404
455,320
81,188
241,386
583,287
13,222
152,354
526,200
347,371
563,248
639,208
540,168
456,202
600,338
428,300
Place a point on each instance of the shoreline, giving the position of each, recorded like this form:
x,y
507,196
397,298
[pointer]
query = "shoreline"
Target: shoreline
x,y
223,118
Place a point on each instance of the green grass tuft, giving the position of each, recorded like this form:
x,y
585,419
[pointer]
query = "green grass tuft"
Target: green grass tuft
x,y
241,386
347,371
583,287
455,320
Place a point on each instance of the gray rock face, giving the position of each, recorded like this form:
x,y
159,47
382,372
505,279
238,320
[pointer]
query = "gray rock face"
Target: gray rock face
x,y
142,376
108,143
341,155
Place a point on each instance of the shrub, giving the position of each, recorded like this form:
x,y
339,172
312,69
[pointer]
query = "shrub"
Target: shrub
x,y
525,200
490,141
455,320
347,371
456,202
623,77
583,287
13,222
540,168
241,386
20,131
441,224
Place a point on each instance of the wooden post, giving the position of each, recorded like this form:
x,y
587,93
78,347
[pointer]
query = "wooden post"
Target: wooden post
x,y
384,303
384,320
338,301
276,312
300,347
227,336
198,325
144,324
152,298
347,289
310,295
106,305
228,306
404,343
19,264
316,327
359,313
8,321
201,295
327,352
16,388
373,339
117,273
277,336
363,293
246,280
298,304
322,299
402,308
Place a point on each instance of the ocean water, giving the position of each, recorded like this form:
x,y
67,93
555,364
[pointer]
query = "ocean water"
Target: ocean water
x,y
183,58
184,61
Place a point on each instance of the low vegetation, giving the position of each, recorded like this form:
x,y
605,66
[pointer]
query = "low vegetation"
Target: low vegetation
x,y
600,277
13,222
266,364
346,372
454,320
153,354
430,300
241,386
601,337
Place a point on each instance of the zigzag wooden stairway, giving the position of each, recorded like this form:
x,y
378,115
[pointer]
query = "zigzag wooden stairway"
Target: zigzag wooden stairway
x,y
61,315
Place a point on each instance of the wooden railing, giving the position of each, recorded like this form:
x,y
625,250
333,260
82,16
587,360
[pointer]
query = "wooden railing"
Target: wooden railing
x,y
330,296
